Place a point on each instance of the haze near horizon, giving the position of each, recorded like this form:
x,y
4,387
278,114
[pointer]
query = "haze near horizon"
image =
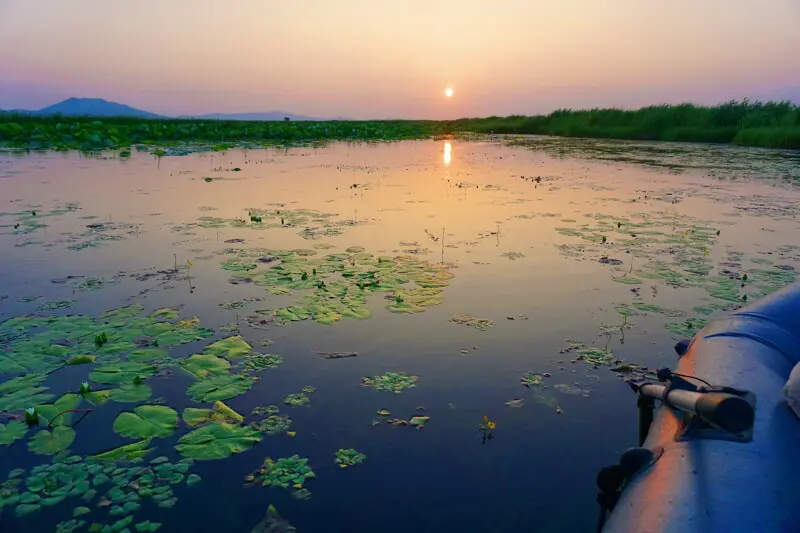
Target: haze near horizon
x,y
360,59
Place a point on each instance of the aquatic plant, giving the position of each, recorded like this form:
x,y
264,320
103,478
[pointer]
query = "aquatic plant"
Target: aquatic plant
x,y
274,424
349,457
481,324
217,440
394,382
285,472
486,428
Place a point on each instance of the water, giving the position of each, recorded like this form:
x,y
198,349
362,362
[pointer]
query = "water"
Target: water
x,y
539,258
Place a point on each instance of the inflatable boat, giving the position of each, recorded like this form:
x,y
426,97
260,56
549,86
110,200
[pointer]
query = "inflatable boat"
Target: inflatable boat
x,y
720,453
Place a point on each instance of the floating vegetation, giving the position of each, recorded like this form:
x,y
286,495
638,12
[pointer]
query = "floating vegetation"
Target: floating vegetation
x,y
515,403
336,286
297,400
531,379
219,412
349,457
481,324
217,440
687,328
596,356
285,473
266,410
56,304
147,421
273,425
513,255
121,484
394,382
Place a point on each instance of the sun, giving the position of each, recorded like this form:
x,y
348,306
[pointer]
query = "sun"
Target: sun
x,y
449,92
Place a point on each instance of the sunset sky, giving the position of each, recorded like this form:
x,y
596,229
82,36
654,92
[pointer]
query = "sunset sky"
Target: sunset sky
x,y
381,58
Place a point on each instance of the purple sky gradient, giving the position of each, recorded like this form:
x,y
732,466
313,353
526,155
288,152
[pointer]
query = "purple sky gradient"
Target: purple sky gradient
x,y
375,59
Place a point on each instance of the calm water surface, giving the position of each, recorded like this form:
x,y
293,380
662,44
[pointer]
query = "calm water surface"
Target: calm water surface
x,y
547,260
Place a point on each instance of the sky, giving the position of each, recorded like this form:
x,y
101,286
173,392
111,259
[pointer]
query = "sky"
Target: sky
x,y
393,59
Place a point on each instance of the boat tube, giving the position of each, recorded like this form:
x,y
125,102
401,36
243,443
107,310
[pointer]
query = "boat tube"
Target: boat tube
x,y
723,458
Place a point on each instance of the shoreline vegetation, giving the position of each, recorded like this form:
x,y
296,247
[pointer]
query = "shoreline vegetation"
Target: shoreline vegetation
x,y
743,123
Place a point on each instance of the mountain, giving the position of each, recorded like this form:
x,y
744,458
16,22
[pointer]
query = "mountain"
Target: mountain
x,y
269,115
96,107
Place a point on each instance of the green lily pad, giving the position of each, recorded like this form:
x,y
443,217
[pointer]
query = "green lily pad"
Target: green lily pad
x,y
204,365
12,431
230,348
23,392
219,388
124,372
686,329
167,313
219,412
193,479
217,440
81,360
59,409
127,452
147,526
80,511
147,421
351,457
148,355
51,442
26,508
131,393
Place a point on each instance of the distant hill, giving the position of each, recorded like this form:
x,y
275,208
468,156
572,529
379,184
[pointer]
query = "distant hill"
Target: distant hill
x,y
269,115
96,107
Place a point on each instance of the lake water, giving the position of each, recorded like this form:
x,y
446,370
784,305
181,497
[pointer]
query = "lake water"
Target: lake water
x,y
583,255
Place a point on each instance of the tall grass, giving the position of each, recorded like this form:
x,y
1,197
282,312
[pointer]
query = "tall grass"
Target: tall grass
x,y
765,124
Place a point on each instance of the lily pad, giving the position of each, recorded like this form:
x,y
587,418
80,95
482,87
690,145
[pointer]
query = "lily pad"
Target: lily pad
x,y
297,400
127,452
22,392
230,348
124,372
217,440
219,412
147,421
12,431
204,365
219,388
131,392
51,442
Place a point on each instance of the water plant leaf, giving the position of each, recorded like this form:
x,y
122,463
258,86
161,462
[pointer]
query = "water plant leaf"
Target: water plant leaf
x,y
126,452
297,400
273,425
257,362
230,348
147,421
481,324
81,359
147,526
51,442
218,412
219,388
147,355
205,365
22,392
123,372
596,356
285,472
130,392
349,457
217,440
48,412
391,381
12,431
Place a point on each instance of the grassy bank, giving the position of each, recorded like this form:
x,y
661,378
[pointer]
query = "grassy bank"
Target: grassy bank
x,y
769,125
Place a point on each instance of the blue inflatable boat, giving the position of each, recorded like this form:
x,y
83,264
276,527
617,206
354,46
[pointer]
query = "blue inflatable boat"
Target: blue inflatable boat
x,y
720,454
